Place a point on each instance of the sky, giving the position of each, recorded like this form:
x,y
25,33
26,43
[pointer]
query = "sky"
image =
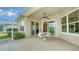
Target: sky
x,y
6,14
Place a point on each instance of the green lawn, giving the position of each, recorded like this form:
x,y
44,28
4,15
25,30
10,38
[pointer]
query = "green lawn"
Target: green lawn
x,y
3,35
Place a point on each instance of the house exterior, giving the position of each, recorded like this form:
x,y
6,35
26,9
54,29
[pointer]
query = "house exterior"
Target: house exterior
x,y
4,27
20,23
63,20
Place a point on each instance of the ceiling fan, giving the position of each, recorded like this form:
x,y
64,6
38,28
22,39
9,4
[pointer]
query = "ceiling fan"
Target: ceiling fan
x,y
44,16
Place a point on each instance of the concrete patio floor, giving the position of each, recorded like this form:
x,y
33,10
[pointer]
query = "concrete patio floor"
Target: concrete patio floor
x,y
34,44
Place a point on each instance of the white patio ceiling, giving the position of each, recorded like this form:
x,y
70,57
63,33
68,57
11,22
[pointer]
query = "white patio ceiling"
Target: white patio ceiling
x,y
37,12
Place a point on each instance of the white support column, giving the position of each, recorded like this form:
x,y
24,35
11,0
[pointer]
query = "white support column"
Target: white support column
x,y
25,26
67,24
40,26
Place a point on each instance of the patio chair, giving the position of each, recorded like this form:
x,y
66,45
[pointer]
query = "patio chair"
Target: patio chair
x,y
46,36
49,36
40,35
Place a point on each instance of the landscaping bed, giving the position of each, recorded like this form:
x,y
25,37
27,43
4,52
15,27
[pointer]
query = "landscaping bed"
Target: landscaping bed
x,y
16,35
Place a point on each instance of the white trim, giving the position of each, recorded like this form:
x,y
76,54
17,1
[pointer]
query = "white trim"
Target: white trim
x,y
73,22
67,25
72,10
63,16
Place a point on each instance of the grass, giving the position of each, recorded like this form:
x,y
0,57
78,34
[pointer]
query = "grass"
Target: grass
x,y
3,35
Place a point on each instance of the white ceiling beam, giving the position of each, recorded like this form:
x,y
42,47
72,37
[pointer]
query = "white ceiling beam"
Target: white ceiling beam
x,y
30,10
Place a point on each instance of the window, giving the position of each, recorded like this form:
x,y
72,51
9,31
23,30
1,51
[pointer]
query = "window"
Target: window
x,y
51,27
22,26
73,22
72,26
64,24
72,17
1,27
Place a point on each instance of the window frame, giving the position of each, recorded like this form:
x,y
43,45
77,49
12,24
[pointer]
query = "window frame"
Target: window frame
x,y
74,21
73,34
48,26
64,24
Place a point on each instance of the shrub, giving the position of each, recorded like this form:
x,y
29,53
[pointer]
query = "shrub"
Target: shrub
x,y
18,35
9,34
10,29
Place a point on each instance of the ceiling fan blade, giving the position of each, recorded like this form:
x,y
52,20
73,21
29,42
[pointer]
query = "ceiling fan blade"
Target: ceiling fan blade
x,y
47,18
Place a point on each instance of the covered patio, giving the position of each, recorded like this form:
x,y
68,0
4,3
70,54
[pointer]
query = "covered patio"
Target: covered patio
x,y
61,22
